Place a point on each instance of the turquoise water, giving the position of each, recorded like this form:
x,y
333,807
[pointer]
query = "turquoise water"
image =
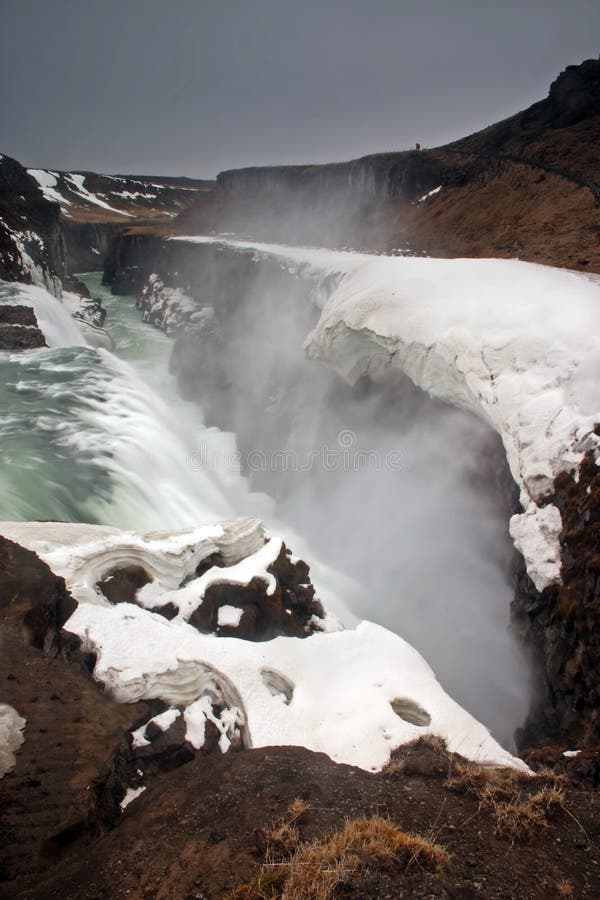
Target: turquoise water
x,y
90,435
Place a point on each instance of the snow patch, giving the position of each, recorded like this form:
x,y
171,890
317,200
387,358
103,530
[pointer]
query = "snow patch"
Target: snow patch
x,y
48,182
130,796
77,186
337,692
429,194
11,737
229,616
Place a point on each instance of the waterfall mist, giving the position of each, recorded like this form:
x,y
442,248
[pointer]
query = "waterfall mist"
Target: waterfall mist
x,y
405,495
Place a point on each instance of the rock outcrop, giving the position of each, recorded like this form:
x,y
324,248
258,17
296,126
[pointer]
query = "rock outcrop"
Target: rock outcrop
x,y
562,624
32,248
255,613
65,782
19,329
32,599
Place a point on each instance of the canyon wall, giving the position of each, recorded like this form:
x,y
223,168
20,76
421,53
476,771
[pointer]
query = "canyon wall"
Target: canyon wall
x,y
32,247
527,187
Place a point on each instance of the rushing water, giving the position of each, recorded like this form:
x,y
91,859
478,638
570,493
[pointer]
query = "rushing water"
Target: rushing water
x,y
90,435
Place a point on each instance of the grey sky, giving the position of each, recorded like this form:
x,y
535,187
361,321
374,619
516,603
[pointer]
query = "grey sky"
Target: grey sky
x,y
193,87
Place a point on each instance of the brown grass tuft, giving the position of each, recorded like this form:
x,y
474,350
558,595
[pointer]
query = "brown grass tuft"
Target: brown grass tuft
x,y
315,869
564,888
281,839
518,814
520,819
486,781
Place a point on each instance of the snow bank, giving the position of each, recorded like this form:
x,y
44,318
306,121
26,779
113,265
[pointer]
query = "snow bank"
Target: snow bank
x,y
516,343
356,694
343,683
11,737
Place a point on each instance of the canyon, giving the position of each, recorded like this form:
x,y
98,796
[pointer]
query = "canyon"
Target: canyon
x,y
437,304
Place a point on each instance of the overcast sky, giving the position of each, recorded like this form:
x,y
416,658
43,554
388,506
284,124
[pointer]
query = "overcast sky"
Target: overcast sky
x,y
196,86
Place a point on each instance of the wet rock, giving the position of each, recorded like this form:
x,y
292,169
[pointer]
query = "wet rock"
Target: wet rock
x,y
291,609
19,329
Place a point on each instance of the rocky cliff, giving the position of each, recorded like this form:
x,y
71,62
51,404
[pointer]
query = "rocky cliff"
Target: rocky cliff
x,y
32,247
53,224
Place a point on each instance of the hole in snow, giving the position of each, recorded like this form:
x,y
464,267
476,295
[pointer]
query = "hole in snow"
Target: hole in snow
x,y
278,684
410,711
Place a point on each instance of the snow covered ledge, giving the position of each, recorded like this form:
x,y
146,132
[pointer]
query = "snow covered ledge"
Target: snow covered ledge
x,y
517,344
354,694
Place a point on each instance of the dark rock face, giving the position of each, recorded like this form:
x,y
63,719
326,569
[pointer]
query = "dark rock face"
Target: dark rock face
x,y
290,610
168,749
333,205
581,767
87,243
562,624
29,220
70,772
573,97
32,597
127,263
121,585
19,329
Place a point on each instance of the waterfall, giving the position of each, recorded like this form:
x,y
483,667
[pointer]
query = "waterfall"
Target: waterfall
x,y
91,436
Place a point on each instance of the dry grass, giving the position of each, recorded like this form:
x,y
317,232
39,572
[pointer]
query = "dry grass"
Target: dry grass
x,y
486,781
518,820
315,869
518,814
282,838
564,888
